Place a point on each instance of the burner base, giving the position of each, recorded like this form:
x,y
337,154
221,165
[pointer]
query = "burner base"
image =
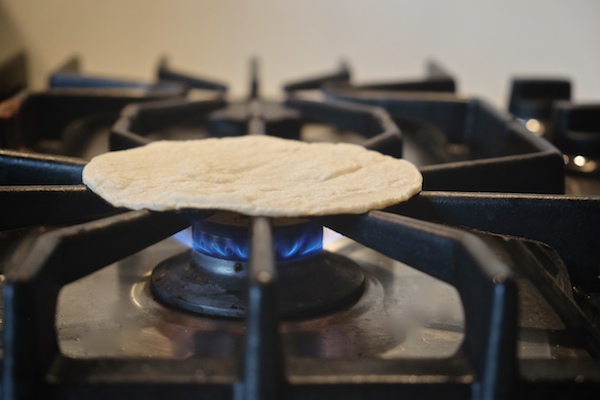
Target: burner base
x,y
307,287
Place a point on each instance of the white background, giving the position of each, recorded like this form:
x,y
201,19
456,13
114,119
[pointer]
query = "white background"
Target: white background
x,y
484,43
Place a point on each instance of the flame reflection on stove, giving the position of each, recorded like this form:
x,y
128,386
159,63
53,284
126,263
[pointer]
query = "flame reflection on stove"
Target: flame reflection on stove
x,y
184,237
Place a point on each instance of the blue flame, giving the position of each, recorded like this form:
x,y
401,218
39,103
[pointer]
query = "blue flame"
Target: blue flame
x,y
232,243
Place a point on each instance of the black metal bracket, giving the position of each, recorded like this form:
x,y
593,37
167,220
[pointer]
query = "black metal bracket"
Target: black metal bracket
x,y
566,223
534,98
45,116
372,122
437,80
38,270
32,205
485,285
166,74
21,168
342,74
137,120
38,189
574,128
506,157
262,369
69,76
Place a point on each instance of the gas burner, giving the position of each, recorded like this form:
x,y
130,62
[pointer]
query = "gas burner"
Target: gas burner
x,y
211,278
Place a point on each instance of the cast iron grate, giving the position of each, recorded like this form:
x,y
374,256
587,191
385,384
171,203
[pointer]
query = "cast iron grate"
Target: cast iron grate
x,y
494,145
484,367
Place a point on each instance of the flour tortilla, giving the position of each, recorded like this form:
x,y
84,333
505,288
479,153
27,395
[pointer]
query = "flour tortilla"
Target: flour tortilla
x,y
252,175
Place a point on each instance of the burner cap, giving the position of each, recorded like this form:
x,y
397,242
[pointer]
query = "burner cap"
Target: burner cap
x,y
213,286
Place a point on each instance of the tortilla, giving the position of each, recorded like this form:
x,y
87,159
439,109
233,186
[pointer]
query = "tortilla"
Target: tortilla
x,y
252,175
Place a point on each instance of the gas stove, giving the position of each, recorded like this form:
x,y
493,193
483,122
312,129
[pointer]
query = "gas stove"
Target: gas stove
x,y
485,285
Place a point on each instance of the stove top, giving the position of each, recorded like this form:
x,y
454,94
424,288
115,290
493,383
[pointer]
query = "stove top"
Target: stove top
x,y
485,285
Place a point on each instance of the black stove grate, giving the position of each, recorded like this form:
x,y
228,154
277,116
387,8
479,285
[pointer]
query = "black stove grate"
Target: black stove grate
x,y
486,365
47,261
41,266
495,145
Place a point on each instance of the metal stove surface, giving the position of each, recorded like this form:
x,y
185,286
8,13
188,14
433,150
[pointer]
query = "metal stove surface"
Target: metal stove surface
x,y
403,313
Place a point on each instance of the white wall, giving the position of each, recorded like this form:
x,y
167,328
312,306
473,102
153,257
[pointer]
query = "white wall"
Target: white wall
x,y
482,42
